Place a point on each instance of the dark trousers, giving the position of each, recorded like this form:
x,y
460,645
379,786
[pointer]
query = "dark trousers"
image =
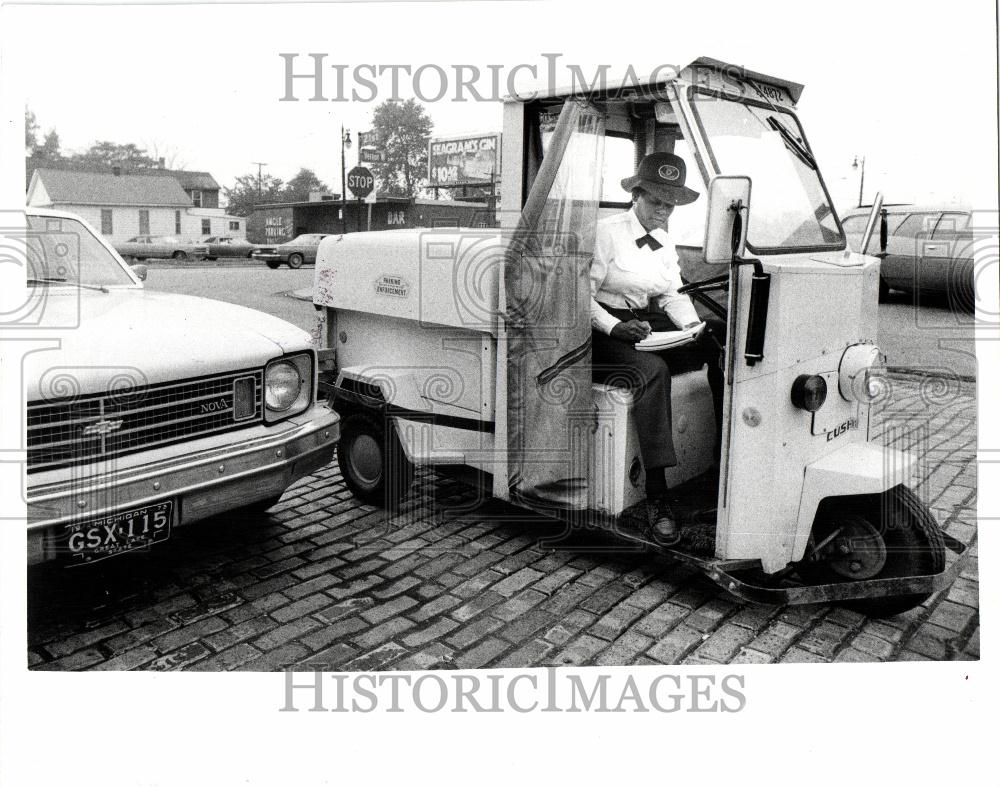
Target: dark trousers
x,y
647,376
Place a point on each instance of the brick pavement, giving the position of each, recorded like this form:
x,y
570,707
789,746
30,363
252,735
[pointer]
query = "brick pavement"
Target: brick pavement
x,y
322,581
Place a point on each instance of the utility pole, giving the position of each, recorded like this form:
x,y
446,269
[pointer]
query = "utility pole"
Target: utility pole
x,y
260,166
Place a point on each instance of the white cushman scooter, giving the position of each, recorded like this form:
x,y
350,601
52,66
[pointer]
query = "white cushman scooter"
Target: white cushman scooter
x,y
471,348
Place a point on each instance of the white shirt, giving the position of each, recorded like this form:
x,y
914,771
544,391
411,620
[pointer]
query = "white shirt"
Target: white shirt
x,y
623,275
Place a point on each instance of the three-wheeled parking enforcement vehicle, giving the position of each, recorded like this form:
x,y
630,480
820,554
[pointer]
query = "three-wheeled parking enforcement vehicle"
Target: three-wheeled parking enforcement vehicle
x,y
471,348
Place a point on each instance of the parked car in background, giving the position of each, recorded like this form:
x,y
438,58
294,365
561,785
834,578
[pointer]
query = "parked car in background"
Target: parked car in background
x,y
295,252
154,410
929,250
227,246
145,247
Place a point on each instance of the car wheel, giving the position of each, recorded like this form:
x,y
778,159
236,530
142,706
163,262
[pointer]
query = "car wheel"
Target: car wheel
x,y
372,461
875,537
180,255
295,261
273,264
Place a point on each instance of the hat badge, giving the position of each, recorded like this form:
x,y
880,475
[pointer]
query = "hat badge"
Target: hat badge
x,y
668,172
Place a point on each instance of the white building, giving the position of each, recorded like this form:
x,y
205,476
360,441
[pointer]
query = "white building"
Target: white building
x,y
150,203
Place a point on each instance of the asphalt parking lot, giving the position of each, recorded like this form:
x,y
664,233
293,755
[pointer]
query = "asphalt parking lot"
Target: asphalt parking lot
x,y
453,582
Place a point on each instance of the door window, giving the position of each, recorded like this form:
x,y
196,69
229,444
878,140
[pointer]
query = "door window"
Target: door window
x,y
950,223
916,224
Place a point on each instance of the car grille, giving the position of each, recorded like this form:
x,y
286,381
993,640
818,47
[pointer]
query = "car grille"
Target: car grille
x,y
88,428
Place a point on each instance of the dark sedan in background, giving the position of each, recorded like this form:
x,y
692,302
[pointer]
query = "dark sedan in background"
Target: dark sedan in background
x,y
295,253
227,246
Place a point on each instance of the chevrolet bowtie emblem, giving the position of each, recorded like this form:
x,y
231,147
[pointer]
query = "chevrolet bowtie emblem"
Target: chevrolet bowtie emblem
x,y
103,427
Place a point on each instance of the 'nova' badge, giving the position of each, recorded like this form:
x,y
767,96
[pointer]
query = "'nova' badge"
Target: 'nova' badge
x,y
216,406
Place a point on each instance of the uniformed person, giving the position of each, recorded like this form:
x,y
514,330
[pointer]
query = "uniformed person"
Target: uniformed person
x,y
634,278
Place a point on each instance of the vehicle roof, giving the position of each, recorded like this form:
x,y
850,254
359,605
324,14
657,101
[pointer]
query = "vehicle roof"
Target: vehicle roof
x,y
664,75
932,207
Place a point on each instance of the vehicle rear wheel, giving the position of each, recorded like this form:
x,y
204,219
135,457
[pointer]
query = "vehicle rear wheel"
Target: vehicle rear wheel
x,y
273,265
180,255
372,461
295,260
874,537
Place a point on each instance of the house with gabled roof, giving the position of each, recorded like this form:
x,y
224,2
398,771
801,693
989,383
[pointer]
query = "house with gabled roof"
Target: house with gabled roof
x,y
147,202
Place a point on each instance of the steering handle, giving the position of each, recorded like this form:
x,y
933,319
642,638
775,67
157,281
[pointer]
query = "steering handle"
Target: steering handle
x,y
716,282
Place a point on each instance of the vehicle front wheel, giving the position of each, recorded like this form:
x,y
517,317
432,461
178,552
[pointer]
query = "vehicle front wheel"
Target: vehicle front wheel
x,y
295,261
180,255
874,537
273,264
372,461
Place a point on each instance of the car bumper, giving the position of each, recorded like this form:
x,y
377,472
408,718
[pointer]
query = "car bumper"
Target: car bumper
x,y
270,257
203,477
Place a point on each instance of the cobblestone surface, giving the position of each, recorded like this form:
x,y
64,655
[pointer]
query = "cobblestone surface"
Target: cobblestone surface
x,y
322,581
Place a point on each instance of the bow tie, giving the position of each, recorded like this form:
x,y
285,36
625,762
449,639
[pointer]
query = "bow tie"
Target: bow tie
x,y
648,240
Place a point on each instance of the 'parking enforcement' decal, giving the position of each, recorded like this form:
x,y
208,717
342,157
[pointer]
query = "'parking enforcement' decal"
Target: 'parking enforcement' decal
x,y
395,286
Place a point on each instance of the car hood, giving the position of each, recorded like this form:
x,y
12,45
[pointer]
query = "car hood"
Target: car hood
x,y
142,337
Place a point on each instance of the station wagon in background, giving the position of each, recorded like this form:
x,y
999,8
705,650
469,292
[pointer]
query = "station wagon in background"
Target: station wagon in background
x,y
295,253
155,410
160,247
227,246
929,250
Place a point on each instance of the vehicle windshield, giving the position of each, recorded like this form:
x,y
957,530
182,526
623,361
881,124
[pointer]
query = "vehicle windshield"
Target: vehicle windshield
x,y
64,252
789,207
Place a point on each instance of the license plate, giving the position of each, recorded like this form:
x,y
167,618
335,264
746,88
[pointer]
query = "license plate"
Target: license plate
x,y
115,534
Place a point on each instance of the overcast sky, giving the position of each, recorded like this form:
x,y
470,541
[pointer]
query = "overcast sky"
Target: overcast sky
x,y
912,91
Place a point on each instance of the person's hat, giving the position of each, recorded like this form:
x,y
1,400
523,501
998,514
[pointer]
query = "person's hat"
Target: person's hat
x,y
662,175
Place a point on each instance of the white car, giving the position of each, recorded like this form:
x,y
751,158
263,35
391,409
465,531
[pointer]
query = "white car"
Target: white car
x,y
155,410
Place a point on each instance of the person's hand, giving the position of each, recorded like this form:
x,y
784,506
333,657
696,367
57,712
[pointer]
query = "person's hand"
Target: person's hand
x,y
631,331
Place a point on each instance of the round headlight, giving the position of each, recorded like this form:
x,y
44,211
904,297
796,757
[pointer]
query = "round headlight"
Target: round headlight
x,y
282,386
861,368
809,392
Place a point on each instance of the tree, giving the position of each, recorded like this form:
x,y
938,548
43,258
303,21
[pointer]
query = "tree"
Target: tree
x,y
298,188
49,149
403,130
128,157
30,132
245,193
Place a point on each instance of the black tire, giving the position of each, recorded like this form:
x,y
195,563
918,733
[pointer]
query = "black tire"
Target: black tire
x,y
295,261
273,264
372,462
894,534
180,255
883,290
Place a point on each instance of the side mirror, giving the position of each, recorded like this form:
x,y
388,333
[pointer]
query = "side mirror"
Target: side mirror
x,y
726,218
141,271
876,215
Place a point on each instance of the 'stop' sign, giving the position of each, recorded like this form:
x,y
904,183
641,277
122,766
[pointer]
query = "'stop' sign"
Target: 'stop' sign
x,y
360,181
463,160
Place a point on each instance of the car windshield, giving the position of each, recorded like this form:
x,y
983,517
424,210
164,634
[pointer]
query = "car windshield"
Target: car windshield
x,y
306,239
63,251
789,207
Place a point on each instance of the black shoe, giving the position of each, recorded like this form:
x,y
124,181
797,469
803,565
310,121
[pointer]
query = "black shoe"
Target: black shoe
x,y
662,525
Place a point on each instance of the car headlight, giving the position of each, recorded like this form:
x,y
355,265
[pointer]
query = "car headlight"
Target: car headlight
x,y
288,384
862,373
